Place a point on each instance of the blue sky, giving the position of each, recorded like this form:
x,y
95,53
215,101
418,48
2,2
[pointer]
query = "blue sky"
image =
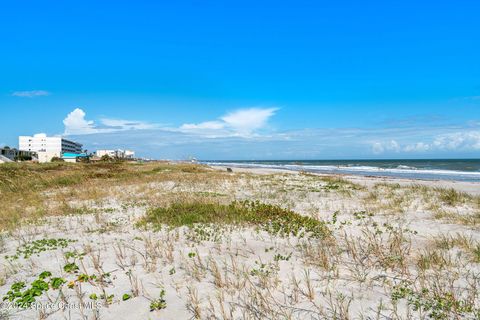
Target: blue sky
x,y
245,79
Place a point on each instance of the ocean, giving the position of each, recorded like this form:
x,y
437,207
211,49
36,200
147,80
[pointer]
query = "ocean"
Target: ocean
x,y
426,169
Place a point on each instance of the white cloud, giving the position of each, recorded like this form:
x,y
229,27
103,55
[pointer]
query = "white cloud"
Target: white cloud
x,y
246,121
30,94
417,147
458,140
394,146
75,123
379,147
208,125
242,122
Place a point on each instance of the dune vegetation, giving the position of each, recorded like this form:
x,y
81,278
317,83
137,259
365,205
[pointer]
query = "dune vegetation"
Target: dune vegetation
x,y
182,241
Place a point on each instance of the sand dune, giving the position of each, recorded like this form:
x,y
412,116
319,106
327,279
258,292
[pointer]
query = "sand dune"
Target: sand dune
x,y
374,248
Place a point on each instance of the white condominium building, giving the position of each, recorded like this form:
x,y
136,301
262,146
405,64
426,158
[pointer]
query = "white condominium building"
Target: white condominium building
x,y
110,153
48,147
121,154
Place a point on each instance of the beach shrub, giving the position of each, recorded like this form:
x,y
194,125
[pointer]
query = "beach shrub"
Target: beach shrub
x,y
24,298
160,303
435,304
267,217
38,246
23,157
71,268
106,158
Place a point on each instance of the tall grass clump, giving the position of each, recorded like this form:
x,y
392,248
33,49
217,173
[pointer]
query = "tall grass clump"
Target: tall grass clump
x,y
273,219
452,197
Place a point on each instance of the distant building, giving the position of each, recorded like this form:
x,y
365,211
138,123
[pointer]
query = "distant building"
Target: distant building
x,y
110,153
11,154
119,153
129,154
48,147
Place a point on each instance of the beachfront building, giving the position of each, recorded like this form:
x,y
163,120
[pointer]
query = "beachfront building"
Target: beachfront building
x,y
119,153
48,147
11,154
108,153
129,154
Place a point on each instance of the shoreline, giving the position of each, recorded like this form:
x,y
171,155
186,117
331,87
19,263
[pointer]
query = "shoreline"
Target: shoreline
x,y
454,170
472,188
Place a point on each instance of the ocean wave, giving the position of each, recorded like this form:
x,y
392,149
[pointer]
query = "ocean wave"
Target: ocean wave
x,y
400,171
406,167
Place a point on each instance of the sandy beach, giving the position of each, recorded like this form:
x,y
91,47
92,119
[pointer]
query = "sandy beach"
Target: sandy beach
x,y
472,188
139,242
